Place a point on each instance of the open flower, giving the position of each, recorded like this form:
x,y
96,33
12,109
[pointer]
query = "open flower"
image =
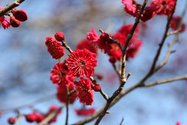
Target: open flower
x,y
61,76
163,7
85,92
82,62
3,21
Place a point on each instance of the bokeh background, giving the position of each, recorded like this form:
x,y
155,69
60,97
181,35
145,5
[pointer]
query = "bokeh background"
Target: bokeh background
x,y
25,64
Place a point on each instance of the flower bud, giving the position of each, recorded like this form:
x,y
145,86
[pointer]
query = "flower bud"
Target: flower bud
x,y
14,22
97,88
20,15
11,120
59,36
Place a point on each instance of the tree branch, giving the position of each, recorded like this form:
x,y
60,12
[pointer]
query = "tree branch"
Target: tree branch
x,y
67,105
10,7
50,116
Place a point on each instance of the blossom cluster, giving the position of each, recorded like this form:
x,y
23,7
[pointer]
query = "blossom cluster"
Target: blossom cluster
x,y
111,48
16,18
159,7
80,64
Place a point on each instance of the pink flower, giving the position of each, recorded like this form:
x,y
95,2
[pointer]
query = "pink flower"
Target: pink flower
x,y
5,23
82,63
55,48
147,14
62,95
163,7
84,112
84,44
85,93
61,76
131,7
175,22
102,42
121,36
178,123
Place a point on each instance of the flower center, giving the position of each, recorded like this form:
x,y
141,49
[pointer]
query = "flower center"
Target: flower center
x,y
62,74
164,3
82,63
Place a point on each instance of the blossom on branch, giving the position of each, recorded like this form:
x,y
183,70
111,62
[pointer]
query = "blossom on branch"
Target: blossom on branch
x,y
121,36
82,62
163,7
54,47
3,21
61,76
85,44
103,42
85,92
62,95
175,22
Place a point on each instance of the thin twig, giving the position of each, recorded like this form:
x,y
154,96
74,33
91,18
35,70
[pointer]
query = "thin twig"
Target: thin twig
x,y
173,42
51,116
122,94
19,119
10,7
162,42
173,32
67,105
121,121
184,77
101,91
66,46
116,69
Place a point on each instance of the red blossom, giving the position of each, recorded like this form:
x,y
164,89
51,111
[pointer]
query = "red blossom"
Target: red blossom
x,y
20,15
121,36
3,21
52,109
147,14
82,63
84,112
163,7
14,22
84,44
31,117
103,42
178,123
11,120
59,36
61,76
131,7
85,93
97,88
62,95
175,22
55,48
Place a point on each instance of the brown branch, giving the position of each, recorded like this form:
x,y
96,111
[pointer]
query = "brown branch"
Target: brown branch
x,y
10,7
173,32
121,121
105,96
113,40
19,119
67,105
173,42
50,116
115,68
66,46
123,79
184,77
152,70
